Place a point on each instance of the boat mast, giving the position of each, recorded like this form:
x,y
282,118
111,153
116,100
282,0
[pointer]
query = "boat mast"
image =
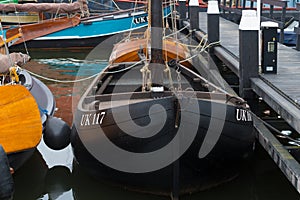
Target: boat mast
x,y
156,31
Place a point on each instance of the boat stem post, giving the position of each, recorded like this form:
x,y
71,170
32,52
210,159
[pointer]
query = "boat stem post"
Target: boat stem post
x,y
248,52
213,23
194,16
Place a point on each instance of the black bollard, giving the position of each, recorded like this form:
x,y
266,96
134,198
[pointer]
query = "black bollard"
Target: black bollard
x,y
6,180
194,16
213,23
182,9
248,52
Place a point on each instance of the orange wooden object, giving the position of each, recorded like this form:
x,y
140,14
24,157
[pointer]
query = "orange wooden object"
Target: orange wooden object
x,y
128,51
20,121
32,31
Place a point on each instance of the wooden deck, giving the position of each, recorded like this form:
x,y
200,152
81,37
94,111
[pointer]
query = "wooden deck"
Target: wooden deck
x,y
282,90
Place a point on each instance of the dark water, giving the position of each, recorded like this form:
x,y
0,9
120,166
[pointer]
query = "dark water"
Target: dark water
x,y
52,175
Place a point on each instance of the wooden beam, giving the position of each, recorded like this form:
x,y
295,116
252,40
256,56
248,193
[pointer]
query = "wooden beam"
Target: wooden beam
x,y
285,108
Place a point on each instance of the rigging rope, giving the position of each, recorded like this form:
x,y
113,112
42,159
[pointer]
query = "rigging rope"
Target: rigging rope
x,y
202,49
104,5
83,79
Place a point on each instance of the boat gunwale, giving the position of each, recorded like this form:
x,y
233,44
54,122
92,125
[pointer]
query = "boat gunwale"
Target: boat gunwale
x,y
218,96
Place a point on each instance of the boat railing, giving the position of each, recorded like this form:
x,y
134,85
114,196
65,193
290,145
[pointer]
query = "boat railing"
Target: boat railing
x,y
131,10
297,29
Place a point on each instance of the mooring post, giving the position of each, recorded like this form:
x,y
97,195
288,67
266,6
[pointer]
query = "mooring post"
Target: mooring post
x,y
248,52
297,29
182,13
182,9
213,23
194,16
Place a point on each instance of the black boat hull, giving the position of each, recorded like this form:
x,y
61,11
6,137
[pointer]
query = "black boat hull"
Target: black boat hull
x,y
233,144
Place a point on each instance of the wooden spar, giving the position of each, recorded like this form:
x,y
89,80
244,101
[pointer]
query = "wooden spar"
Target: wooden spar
x,y
32,31
79,6
21,126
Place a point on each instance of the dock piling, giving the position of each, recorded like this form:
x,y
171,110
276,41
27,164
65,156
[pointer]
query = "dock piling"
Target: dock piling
x,y
194,16
297,29
182,9
213,22
248,51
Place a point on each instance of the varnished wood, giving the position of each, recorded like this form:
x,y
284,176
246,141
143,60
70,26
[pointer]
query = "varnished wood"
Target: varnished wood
x,y
20,122
32,31
128,51
32,18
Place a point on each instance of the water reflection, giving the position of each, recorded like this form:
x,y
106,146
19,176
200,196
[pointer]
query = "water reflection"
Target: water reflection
x,y
46,176
51,175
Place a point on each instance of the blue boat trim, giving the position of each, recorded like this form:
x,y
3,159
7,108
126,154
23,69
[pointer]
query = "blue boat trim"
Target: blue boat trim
x,y
104,26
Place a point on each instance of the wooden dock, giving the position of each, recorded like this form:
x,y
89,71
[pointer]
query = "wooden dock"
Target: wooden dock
x,y
280,91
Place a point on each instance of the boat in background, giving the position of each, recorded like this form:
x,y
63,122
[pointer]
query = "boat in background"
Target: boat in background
x,y
92,29
19,17
24,97
290,37
28,32
126,4
151,123
27,109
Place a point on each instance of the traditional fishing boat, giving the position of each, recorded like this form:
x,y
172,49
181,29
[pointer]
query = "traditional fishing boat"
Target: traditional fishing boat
x,y
91,30
150,122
